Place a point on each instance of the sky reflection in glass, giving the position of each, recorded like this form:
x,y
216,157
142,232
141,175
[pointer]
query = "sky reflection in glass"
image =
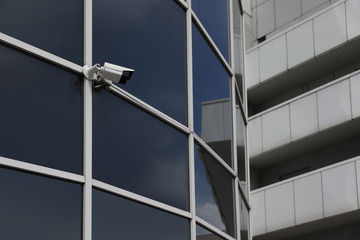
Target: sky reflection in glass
x,y
55,26
212,121
41,114
214,192
37,207
213,15
148,36
204,234
135,151
118,218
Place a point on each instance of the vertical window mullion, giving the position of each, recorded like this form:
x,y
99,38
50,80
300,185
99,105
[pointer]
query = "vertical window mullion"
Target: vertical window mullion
x,y
87,111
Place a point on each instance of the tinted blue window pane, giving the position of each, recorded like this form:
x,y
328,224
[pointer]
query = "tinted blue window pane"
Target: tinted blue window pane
x,y
138,152
213,15
204,234
148,36
118,218
41,112
214,192
55,26
212,121
37,207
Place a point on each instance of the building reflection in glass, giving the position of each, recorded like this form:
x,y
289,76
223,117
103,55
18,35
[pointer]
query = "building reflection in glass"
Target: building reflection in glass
x,y
211,94
214,183
216,127
214,192
216,132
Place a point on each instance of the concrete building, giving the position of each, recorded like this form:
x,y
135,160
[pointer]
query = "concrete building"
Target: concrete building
x,y
161,157
303,90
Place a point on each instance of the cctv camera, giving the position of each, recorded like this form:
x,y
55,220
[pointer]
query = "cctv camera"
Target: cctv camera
x,y
117,73
107,74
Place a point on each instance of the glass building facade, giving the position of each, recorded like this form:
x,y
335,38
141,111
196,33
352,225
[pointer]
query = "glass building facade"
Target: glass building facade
x,y
162,157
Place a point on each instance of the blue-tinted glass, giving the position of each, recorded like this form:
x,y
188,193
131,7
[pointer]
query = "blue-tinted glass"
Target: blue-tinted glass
x,y
41,112
148,36
55,26
118,218
204,234
214,192
137,152
37,207
213,15
212,119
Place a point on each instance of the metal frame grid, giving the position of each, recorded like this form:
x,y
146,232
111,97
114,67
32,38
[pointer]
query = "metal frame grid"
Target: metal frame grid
x,y
86,179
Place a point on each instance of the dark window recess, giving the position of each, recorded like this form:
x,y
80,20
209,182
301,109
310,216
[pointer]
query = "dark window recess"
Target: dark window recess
x,y
262,39
293,173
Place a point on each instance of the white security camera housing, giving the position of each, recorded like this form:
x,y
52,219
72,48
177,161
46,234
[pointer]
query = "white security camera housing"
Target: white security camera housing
x,y
107,74
117,73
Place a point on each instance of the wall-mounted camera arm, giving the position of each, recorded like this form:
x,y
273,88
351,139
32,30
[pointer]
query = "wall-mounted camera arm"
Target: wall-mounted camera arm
x,y
94,74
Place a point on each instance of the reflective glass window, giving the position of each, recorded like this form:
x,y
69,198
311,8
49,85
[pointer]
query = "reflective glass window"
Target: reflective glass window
x,y
148,36
244,220
55,26
214,192
238,46
135,151
118,218
37,207
212,116
239,86
41,112
213,15
204,234
236,17
240,143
